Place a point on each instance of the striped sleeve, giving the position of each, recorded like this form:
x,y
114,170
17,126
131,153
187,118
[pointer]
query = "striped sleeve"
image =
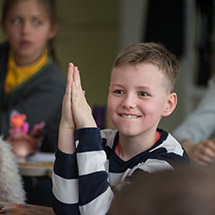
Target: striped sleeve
x,y
95,194
65,184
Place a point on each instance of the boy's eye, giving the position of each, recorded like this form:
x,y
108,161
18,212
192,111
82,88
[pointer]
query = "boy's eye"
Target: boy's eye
x,y
118,92
142,94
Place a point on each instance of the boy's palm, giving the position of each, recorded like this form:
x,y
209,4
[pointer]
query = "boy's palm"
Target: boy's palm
x,y
81,110
67,121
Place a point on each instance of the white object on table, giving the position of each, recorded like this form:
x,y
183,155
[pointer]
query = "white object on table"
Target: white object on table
x,y
37,165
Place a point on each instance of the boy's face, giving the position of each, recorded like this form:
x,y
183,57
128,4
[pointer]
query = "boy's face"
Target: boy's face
x,y
138,99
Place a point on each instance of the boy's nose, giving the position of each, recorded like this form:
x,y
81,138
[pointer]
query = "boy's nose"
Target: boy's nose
x,y
129,102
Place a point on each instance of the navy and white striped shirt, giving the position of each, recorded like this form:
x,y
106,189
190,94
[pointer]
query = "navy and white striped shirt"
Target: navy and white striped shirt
x,y
83,182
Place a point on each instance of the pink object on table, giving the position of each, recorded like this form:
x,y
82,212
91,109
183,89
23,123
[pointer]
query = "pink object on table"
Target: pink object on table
x,y
18,123
37,128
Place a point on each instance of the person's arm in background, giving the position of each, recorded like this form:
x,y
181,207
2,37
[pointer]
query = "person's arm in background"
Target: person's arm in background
x,y
194,133
202,152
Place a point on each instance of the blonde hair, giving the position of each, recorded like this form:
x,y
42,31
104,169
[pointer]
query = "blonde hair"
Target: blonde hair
x,y
153,53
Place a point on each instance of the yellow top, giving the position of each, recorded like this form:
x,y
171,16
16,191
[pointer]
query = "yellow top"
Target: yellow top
x,y
18,74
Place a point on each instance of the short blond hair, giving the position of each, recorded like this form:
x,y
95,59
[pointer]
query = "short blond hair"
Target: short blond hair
x,y
153,53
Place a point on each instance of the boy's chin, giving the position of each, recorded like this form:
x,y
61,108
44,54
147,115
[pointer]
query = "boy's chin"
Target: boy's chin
x,y
129,132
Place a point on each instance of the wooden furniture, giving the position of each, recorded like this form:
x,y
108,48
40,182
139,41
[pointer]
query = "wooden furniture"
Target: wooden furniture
x,y
24,209
35,169
38,165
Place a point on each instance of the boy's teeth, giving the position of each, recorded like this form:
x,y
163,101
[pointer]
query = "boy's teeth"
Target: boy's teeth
x,y
129,116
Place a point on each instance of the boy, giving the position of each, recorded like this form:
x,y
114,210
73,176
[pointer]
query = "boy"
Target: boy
x,y
91,163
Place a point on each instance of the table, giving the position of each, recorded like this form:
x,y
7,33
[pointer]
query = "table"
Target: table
x,y
36,169
24,209
37,165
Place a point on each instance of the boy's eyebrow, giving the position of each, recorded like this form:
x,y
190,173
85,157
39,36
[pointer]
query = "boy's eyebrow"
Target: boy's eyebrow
x,y
137,87
143,87
116,85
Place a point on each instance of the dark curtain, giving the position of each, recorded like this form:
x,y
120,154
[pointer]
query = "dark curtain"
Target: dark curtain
x,y
165,24
206,43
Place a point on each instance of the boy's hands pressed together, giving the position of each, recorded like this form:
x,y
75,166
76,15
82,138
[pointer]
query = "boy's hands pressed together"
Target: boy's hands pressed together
x,y
81,110
67,121
67,124
76,113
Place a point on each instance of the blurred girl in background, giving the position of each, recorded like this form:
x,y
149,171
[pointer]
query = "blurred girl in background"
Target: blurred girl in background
x,y
31,83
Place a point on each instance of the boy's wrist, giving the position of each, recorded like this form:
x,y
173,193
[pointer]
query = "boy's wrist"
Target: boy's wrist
x,y
66,140
87,126
88,122
66,126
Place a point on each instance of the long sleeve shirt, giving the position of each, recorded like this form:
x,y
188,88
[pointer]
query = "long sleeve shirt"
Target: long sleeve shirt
x,y
84,182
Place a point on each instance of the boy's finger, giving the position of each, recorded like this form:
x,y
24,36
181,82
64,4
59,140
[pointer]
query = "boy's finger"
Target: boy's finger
x,y
69,78
77,78
70,71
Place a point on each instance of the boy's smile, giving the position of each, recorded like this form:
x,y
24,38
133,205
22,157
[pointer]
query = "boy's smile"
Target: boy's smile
x,y
129,116
137,98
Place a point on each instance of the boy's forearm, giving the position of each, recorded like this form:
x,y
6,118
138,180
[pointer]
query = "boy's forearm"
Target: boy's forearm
x,y
66,140
65,184
95,193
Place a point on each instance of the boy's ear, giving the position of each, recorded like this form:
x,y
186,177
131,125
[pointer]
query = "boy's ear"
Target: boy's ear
x,y
170,105
53,31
